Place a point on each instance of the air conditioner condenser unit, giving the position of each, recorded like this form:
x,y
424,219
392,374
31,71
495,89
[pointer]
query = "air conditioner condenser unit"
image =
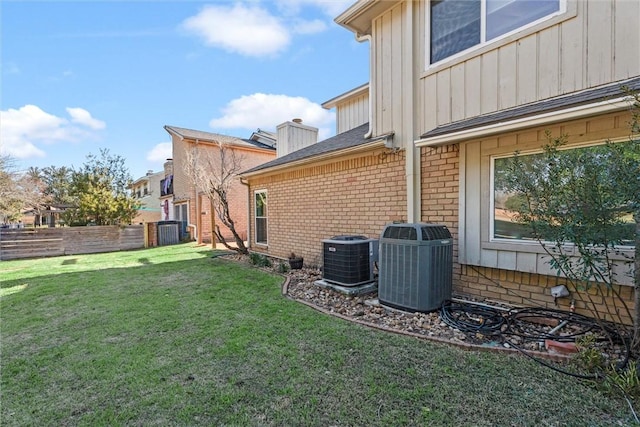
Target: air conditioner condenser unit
x,y
349,260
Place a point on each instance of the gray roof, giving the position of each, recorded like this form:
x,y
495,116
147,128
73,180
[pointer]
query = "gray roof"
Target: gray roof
x,y
600,93
348,139
215,137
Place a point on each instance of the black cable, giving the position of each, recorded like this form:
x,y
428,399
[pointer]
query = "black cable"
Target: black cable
x,y
579,323
472,318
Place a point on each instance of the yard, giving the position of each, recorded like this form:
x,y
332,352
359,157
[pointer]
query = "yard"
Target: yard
x,y
174,336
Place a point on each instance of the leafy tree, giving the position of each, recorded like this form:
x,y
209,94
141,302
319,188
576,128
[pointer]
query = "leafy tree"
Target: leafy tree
x,y
582,197
18,191
100,191
57,184
54,184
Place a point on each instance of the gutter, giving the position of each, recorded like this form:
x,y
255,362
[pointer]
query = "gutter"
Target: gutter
x,y
567,114
375,143
361,39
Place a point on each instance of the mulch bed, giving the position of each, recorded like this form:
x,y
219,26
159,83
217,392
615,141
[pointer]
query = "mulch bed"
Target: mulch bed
x,y
300,286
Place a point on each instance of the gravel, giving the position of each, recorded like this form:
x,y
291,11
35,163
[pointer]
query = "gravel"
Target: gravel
x,y
528,331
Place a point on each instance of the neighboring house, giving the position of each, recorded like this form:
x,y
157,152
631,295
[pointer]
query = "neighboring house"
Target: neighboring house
x,y
48,216
146,191
452,90
167,211
190,204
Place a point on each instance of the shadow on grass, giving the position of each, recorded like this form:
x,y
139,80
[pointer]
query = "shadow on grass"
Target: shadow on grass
x,y
204,341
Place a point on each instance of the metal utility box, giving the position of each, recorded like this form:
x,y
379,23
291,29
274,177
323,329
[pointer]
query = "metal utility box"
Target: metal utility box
x,y
349,260
416,266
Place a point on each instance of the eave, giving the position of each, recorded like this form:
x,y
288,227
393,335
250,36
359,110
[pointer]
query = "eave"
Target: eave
x,y
377,143
573,113
359,16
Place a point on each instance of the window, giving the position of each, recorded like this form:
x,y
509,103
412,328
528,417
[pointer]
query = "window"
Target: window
x,y
261,217
506,203
457,25
180,212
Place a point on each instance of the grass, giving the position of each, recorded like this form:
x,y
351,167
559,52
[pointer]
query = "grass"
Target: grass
x,y
172,336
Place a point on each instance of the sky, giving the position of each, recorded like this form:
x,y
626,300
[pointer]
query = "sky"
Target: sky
x,y
81,76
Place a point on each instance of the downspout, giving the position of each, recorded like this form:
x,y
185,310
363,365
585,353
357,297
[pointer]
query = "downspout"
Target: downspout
x,y
361,39
197,227
412,153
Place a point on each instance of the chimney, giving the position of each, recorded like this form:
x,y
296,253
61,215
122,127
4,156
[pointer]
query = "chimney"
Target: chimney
x,y
293,136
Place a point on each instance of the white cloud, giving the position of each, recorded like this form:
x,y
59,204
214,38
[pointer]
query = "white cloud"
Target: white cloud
x,y
267,111
309,27
24,129
83,117
331,8
160,152
248,30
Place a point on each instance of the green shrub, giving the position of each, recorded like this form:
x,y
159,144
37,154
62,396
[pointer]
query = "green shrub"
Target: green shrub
x,y
259,260
282,268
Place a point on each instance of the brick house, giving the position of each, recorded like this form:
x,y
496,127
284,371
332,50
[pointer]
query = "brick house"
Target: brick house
x,y
189,203
455,86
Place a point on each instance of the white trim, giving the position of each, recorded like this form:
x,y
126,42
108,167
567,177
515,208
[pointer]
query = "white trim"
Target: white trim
x,y
255,218
353,93
562,10
572,113
492,188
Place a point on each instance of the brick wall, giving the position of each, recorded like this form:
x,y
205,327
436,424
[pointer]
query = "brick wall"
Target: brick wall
x,y
355,194
237,195
151,234
440,204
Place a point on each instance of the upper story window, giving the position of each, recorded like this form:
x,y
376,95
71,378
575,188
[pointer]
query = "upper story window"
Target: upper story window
x,y
166,186
457,25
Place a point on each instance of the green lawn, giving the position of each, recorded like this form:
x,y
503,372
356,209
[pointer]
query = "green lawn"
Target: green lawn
x,y
172,336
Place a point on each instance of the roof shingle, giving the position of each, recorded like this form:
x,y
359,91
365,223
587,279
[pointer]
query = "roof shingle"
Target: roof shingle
x,y
348,139
600,93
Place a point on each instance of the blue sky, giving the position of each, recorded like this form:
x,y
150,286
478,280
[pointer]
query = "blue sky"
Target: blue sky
x,y
78,76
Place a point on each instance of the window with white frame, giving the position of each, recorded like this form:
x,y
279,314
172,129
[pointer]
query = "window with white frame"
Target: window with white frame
x,y
457,25
507,203
261,217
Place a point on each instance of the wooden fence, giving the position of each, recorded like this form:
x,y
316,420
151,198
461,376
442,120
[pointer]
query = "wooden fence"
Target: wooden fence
x,y
46,242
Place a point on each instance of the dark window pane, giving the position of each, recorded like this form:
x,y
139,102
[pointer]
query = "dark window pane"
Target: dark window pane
x,y
261,230
261,204
507,15
455,26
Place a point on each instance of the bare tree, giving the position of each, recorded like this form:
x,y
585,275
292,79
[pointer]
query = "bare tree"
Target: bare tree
x,y
213,170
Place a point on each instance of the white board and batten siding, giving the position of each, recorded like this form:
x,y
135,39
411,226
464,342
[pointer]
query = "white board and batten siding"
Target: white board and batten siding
x,y
476,246
391,72
352,113
595,42
293,136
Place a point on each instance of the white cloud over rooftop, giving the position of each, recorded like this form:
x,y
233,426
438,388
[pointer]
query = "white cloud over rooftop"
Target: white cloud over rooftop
x,y
26,129
160,152
251,29
266,111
